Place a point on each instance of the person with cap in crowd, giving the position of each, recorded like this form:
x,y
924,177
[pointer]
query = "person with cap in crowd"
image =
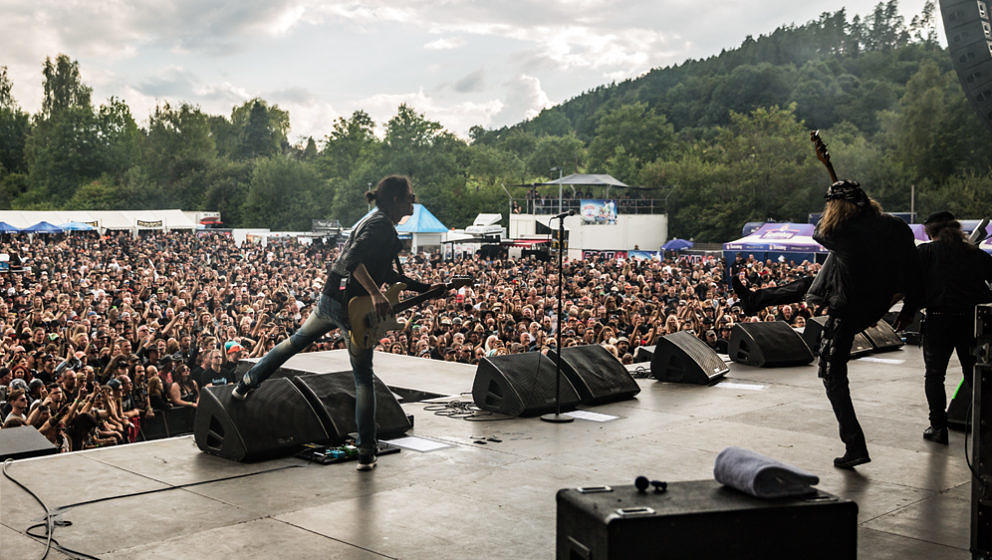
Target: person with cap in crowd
x,y
363,266
955,279
872,264
233,351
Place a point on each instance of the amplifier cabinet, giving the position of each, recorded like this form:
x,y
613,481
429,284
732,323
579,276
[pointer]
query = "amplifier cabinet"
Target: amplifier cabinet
x,y
702,520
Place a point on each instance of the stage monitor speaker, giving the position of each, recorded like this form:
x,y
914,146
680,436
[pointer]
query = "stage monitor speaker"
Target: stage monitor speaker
x,y
882,337
682,358
643,354
596,374
968,28
813,332
332,395
520,385
768,344
274,421
23,442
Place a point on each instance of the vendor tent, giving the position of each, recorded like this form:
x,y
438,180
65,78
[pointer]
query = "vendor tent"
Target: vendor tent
x,y
7,228
42,227
132,220
677,244
771,241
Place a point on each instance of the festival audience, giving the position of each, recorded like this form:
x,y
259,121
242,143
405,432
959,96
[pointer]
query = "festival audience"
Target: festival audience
x,y
100,332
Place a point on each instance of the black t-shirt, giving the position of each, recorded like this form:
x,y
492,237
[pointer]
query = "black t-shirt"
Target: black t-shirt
x,y
211,377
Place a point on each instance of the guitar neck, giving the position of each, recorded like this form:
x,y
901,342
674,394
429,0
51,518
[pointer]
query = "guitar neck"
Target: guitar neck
x,y
830,169
417,300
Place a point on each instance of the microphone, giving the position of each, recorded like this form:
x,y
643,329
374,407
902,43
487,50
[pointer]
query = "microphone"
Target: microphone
x,y
563,215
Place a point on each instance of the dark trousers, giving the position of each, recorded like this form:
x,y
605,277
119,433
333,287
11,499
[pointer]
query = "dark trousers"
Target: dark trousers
x,y
835,351
943,334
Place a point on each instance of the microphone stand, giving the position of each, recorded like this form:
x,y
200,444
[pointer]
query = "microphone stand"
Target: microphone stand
x,y
557,417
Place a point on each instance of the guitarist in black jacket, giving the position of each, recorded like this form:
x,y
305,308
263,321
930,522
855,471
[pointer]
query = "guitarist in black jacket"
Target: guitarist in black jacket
x,y
365,263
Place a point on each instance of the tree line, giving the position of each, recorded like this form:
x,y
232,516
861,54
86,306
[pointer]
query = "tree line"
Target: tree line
x,y
723,140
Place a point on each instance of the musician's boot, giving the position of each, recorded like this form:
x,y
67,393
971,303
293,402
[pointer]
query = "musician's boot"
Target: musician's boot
x,y
243,389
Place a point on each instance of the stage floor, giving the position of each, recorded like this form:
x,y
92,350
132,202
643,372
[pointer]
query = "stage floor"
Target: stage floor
x,y
497,499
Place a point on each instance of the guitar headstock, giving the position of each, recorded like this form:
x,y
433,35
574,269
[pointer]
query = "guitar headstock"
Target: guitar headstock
x,y
456,282
821,149
822,153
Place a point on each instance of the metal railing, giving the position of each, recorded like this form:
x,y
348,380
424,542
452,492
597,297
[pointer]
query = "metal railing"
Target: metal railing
x,y
550,206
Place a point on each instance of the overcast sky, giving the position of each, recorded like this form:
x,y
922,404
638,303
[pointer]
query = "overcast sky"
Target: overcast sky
x,y
461,62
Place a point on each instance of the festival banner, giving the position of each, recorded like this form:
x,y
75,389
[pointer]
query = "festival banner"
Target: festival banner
x,y
598,211
608,255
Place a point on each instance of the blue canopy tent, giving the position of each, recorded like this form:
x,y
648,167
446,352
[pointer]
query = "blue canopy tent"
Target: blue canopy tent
x,y
7,228
76,226
677,244
794,242
421,226
42,227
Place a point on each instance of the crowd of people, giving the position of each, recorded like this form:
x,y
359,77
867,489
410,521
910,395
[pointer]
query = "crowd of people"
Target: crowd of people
x,y
103,332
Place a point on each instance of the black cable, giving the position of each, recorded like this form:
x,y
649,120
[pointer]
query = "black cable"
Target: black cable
x,y
50,514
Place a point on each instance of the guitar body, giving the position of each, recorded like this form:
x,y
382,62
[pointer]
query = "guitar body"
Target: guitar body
x,y
366,330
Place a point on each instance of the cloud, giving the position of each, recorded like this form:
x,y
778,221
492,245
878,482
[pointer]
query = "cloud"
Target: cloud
x,y
445,43
472,82
174,81
456,117
524,99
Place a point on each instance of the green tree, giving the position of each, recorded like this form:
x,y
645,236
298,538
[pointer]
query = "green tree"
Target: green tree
x,y
280,194
630,135
63,149
14,128
178,155
262,129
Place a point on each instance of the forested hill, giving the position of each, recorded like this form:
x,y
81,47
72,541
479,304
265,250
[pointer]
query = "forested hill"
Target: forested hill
x,y
723,140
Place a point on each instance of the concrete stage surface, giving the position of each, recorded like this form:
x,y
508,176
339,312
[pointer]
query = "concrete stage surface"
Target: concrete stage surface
x,y
497,500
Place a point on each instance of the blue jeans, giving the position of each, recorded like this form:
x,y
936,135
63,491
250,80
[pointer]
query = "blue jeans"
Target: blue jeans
x,y
328,314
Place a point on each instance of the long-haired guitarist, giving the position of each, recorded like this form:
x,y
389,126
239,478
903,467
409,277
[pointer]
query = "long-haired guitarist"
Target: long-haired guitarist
x,y
874,263
365,263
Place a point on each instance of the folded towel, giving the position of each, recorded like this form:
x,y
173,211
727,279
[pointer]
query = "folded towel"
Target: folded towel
x,y
761,476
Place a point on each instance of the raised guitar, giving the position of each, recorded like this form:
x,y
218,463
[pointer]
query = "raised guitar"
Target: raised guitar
x,y
822,154
367,328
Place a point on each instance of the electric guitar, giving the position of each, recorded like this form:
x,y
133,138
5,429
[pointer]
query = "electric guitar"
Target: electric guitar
x,y
367,328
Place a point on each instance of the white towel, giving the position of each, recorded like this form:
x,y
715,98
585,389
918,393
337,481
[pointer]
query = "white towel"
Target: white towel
x,y
761,476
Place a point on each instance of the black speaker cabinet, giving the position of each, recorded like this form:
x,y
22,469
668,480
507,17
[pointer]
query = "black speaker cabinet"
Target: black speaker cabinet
x,y
520,385
768,344
275,420
702,520
968,28
813,332
643,354
596,374
23,442
682,358
882,337
332,395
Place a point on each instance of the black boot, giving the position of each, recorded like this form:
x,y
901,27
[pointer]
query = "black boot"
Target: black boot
x,y
936,435
852,459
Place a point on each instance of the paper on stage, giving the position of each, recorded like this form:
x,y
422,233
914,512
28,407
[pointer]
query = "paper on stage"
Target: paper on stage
x,y
417,444
745,386
880,360
592,416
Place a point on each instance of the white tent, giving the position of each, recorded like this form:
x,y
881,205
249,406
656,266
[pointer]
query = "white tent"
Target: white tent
x,y
132,220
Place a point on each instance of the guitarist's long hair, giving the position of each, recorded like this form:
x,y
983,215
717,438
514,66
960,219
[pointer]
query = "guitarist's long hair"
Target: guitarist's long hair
x,y
838,211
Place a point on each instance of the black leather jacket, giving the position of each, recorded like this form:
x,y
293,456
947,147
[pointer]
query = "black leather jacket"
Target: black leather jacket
x,y
873,258
375,244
